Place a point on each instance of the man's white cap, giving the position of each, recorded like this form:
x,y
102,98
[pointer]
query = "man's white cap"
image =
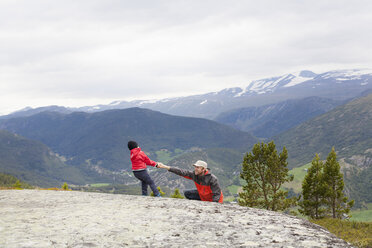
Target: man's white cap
x,y
201,164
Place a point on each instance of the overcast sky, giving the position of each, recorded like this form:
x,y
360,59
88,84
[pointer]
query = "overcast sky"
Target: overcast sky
x,y
78,53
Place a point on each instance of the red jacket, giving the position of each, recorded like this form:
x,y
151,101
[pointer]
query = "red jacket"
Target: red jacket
x,y
207,184
140,160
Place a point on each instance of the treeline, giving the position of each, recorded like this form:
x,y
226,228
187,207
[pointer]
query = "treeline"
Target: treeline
x,y
265,171
9,181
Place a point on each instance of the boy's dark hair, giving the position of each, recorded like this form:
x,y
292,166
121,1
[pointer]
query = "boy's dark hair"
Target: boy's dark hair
x,y
132,144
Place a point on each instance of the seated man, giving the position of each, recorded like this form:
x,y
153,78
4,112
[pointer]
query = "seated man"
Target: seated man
x,y
207,187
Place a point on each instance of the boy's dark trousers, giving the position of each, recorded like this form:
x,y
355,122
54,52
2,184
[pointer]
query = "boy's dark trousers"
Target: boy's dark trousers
x,y
192,194
146,180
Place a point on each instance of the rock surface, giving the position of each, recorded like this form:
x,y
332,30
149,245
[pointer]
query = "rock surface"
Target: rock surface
x,y
38,218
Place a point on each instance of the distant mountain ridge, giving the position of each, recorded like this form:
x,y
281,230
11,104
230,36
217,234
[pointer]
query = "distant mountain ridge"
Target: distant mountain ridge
x,y
347,127
98,141
337,85
32,161
270,120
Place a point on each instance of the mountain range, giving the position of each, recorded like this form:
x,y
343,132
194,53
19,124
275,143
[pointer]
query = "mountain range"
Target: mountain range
x,y
97,142
336,85
34,162
306,112
273,119
348,128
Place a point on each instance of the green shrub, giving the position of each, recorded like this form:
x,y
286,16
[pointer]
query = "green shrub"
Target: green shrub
x,y
177,194
160,191
17,185
65,186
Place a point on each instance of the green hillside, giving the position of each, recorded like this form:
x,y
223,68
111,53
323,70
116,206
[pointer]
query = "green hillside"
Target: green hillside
x,y
299,174
269,120
102,137
33,162
348,128
9,181
97,142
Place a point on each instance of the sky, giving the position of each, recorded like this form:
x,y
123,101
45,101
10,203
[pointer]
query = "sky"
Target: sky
x,y
81,53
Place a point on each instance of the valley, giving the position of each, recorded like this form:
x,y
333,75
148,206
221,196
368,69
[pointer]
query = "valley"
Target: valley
x,y
89,148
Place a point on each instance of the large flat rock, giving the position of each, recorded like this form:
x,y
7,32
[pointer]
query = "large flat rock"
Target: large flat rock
x,y
40,218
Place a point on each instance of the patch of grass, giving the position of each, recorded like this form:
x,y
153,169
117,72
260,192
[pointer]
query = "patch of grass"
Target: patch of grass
x,y
164,156
178,151
55,189
9,188
228,199
356,233
362,214
96,185
299,174
233,189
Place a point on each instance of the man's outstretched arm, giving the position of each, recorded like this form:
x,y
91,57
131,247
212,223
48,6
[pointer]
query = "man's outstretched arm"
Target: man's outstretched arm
x,y
177,171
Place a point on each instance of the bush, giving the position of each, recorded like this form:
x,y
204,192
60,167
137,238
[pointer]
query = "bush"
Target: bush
x,y
17,185
177,194
160,191
65,186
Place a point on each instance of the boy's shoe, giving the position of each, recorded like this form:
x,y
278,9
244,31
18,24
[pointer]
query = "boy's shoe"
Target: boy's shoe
x,y
159,195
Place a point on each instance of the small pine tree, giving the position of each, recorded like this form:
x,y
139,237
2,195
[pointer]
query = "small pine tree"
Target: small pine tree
x,y
65,186
177,194
334,196
265,171
313,191
160,191
17,185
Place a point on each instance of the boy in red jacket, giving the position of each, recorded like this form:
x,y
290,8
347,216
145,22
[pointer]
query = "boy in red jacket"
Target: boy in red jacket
x,y
139,167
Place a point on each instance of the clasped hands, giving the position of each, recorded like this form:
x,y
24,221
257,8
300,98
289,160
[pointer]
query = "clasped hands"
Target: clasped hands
x,y
161,165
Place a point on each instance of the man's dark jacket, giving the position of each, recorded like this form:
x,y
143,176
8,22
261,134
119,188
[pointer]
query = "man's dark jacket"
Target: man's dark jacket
x,y
207,184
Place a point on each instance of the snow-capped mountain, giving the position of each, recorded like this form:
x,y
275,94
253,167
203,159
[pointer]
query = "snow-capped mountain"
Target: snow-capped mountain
x,y
268,85
338,85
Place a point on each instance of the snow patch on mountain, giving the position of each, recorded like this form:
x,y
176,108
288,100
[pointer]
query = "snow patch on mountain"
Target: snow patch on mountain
x,y
147,101
263,86
230,91
115,103
241,93
298,78
343,75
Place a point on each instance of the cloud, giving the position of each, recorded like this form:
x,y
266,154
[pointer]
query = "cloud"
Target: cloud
x,y
51,51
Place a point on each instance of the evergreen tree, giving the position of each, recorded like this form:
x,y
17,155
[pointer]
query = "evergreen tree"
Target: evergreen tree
x,y
65,186
17,185
334,196
313,191
265,172
177,194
